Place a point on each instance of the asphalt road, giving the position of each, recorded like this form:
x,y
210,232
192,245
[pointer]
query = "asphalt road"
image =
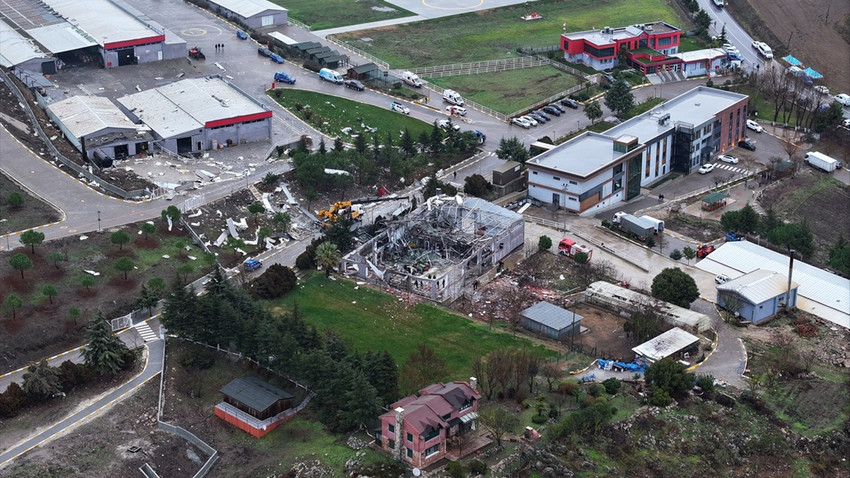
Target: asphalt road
x,y
735,34
153,367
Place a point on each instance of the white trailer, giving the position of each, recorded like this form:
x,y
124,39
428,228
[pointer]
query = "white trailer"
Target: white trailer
x,y
659,224
822,161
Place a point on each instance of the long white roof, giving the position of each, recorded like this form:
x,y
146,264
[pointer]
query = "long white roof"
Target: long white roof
x,y
248,8
103,20
821,293
665,344
15,48
85,115
758,286
189,105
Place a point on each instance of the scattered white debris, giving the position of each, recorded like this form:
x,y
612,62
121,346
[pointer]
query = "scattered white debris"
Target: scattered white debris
x,y
94,273
192,258
195,224
166,256
561,277
83,237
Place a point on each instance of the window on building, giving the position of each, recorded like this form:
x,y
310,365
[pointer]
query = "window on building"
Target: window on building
x,y
409,453
556,178
572,198
391,444
434,434
409,436
466,406
534,172
431,451
664,152
664,41
618,184
391,428
618,169
599,52
646,172
573,182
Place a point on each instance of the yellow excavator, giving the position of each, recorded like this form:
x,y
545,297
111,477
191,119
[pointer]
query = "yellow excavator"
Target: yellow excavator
x,y
339,208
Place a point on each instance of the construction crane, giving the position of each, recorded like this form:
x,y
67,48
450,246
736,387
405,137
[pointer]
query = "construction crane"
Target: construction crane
x,y
345,207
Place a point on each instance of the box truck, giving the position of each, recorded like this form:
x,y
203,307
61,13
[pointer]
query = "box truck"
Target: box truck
x,y
822,161
639,227
659,224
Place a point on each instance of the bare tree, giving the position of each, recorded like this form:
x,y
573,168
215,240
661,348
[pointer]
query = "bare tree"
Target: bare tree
x,y
480,371
552,373
792,149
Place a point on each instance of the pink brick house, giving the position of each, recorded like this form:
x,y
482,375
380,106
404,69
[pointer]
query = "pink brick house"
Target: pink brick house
x,y
418,429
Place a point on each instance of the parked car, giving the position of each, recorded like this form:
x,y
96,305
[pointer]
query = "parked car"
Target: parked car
x,y
728,159
241,35
446,123
396,106
284,78
354,85
455,110
540,117
822,89
843,98
747,144
558,107
721,279
754,125
552,110
252,265
276,58
264,51
706,168
572,104
519,121
531,120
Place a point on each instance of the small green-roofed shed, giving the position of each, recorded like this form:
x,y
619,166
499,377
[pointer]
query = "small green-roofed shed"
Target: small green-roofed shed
x,y
257,397
714,201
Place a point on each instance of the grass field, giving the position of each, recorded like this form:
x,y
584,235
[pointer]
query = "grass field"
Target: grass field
x,y
373,320
339,13
499,32
512,90
331,114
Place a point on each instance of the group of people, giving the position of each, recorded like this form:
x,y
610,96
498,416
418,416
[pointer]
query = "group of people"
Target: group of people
x,y
219,47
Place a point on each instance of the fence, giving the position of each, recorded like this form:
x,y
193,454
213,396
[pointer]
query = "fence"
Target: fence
x,y
80,170
358,52
550,99
476,67
468,103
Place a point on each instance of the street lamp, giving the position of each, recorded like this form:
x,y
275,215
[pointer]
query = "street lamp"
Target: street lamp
x,y
98,221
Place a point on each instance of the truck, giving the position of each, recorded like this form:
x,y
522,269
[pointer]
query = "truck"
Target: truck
x,y
411,79
638,227
569,248
659,224
252,265
453,97
327,74
822,161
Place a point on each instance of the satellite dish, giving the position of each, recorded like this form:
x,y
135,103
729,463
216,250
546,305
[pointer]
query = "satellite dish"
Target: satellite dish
x,y
416,472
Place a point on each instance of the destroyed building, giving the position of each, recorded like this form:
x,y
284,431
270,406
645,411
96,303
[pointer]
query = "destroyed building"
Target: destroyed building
x,y
439,248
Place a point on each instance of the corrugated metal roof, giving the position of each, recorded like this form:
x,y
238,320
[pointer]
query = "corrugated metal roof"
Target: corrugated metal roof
x,y
665,344
551,315
85,115
188,105
102,20
61,37
248,8
822,289
758,286
254,393
631,299
15,48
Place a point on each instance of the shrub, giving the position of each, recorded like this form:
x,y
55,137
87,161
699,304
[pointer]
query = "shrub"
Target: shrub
x,y
303,261
478,467
539,419
676,254
706,382
275,282
568,388
660,397
596,390
612,385
455,469
544,243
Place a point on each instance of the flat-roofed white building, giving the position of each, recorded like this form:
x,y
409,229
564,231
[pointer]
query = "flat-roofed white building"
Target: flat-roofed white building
x,y
594,171
668,344
98,128
199,114
252,13
821,293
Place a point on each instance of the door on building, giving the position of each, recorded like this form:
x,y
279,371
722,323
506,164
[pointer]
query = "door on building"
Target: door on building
x,y
556,199
267,20
184,145
121,151
126,56
141,147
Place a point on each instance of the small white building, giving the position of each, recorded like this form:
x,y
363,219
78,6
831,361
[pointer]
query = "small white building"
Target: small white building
x,y
252,13
703,62
668,344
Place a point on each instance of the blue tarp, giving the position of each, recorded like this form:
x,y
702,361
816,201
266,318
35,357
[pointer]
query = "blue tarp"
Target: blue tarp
x,y
609,364
793,61
812,73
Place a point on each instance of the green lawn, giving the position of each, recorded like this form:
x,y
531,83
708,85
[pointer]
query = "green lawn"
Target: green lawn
x,y
337,13
497,33
373,320
511,90
331,114
692,44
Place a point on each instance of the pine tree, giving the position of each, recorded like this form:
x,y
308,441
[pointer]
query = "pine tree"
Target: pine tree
x,y
41,381
104,352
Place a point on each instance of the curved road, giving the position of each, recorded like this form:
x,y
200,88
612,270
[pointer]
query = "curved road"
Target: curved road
x,y
153,367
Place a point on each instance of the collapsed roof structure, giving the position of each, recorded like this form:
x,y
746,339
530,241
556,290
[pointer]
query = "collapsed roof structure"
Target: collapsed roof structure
x,y
439,248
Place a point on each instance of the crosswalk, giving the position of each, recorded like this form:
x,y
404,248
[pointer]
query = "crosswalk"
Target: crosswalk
x,y
145,332
729,167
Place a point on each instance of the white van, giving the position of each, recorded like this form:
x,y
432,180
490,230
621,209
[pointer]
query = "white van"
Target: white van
x,y
765,50
330,75
411,79
453,97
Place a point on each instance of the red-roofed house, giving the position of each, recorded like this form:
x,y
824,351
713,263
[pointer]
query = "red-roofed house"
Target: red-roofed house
x,y
418,429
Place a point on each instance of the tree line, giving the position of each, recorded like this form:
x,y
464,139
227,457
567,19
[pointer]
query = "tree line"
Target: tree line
x,y
350,387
